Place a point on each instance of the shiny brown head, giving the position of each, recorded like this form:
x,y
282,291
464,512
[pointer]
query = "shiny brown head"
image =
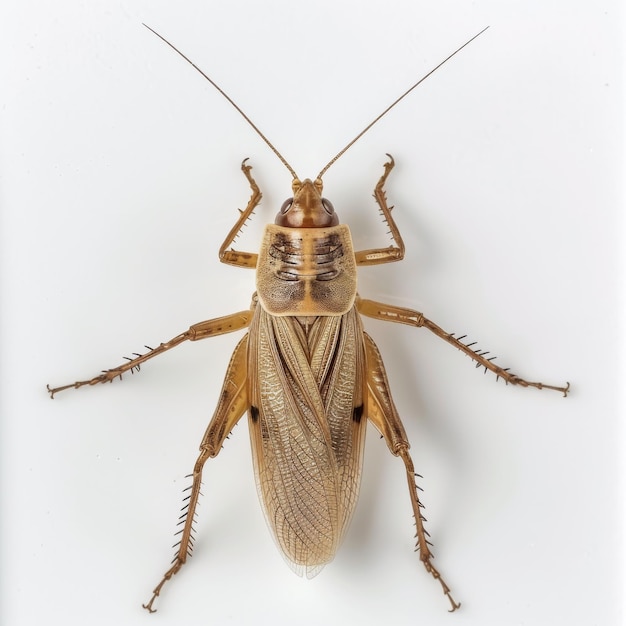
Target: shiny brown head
x,y
307,208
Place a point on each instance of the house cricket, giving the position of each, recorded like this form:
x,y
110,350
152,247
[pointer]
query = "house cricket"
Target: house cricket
x,y
306,373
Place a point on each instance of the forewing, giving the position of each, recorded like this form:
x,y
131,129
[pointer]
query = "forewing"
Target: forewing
x,y
342,391
305,391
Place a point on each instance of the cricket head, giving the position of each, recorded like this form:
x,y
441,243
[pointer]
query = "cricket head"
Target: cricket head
x,y
307,208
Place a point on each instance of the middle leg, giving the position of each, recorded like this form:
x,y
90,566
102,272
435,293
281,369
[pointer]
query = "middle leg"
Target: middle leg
x,y
400,315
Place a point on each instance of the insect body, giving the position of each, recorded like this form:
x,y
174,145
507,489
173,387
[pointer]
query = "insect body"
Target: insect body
x,y
307,375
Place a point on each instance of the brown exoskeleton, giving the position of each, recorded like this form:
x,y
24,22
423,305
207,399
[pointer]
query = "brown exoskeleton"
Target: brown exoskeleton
x,y
306,373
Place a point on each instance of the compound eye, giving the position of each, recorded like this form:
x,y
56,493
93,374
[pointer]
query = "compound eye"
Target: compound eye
x,y
328,207
286,206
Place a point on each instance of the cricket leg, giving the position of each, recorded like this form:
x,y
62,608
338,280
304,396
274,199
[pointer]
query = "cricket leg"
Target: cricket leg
x,y
232,405
202,330
393,252
234,257
400,315
382,412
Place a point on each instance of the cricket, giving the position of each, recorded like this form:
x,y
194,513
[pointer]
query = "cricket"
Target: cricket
x,y
306,373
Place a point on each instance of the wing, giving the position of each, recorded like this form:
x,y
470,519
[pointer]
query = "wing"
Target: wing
x,y
306,397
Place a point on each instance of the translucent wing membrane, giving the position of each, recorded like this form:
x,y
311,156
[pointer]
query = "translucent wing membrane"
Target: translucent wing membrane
x,y
306,430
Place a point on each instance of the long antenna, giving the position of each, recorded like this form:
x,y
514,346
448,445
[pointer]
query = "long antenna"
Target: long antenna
x,y
393,104
349,145
245,117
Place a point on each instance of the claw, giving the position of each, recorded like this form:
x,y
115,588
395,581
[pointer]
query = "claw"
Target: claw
x,y
148,606
57,389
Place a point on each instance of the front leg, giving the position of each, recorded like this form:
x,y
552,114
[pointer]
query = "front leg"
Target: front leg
x,y
202,330
391,253
234,257
400,315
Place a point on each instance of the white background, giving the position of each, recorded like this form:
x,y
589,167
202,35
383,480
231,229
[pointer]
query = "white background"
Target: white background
x,y
120,178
